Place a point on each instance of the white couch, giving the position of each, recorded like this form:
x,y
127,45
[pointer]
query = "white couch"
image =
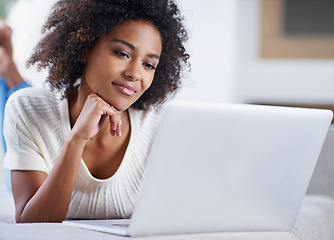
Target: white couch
x,y
315,220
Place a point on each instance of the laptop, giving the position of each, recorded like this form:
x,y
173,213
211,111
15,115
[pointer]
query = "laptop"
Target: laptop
x,y
217,167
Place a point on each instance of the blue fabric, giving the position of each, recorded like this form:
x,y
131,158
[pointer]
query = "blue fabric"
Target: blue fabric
x,y
5,92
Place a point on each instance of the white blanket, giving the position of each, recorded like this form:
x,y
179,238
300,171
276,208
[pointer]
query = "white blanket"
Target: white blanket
x,y
315,221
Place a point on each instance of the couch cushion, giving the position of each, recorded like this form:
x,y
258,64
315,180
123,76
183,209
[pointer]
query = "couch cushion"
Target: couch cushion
x,y
315,219
322,181
56,231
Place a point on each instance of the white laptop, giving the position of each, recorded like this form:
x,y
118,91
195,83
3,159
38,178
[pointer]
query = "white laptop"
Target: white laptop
x,y
225,167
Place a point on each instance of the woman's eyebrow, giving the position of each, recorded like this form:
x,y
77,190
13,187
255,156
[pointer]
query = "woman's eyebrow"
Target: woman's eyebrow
x,y
152,55
124,43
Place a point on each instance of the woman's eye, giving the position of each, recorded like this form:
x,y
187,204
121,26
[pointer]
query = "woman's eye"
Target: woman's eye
x,y
150,66
121,54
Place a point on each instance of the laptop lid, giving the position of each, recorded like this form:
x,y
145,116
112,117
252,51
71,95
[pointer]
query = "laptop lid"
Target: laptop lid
x,y
228,167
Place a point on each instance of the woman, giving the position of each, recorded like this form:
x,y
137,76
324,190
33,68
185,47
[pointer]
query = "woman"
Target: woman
x,y
83,155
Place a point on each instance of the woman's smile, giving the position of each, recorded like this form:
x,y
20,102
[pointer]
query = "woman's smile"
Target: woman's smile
x,y
126,89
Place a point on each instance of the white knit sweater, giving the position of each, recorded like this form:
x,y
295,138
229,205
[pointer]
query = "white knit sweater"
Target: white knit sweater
x,y
36,126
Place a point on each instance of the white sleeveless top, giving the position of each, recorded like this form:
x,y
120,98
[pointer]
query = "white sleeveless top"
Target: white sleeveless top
x,y
36,125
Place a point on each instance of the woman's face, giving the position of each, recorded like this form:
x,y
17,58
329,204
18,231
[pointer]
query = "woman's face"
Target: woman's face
x,y
121,66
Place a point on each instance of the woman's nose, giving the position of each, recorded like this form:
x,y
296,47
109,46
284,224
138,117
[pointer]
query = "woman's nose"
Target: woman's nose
x,y
132,71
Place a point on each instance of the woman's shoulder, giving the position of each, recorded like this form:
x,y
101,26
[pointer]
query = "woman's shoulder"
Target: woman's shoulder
x,y
145,123
32,100
148,115
33,94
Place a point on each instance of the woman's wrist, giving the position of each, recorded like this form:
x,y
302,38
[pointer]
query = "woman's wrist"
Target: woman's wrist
x,y
75,140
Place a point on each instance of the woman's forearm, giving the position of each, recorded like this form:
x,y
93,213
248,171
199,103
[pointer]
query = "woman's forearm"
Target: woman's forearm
x,y
48,199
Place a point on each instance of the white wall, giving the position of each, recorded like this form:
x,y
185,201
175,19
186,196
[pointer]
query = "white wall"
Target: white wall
x,y
212,30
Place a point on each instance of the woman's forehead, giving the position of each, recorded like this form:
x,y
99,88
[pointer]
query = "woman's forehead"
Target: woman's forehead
x,y
138,34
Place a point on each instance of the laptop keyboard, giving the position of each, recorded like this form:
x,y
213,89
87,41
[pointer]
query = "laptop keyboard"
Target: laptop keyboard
x,y
120,223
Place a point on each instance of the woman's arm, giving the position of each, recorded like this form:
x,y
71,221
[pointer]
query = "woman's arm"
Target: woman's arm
x,y
45,198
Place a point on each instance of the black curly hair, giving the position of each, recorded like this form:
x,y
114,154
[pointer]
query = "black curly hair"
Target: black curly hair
x,y
75,26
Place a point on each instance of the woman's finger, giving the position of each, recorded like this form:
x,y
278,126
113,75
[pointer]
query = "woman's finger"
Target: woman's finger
x,y
115,121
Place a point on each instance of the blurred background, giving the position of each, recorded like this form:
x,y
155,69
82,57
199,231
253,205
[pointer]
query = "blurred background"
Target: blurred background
x,y
275,52
248,51
262,51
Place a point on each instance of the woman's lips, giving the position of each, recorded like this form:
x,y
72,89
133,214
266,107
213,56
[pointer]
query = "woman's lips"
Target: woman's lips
x,y
125,89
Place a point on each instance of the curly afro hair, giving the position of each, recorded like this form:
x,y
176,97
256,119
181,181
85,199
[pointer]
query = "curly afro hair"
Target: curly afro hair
x,y
74,26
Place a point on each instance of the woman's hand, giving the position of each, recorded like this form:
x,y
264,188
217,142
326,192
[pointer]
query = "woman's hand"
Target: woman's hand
x,y
92,117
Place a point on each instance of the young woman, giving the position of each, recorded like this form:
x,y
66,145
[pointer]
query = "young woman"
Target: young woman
x,y
80,152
